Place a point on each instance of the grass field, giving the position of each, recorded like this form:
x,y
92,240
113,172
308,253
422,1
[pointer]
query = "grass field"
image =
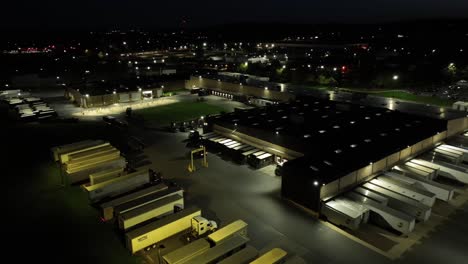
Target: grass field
x,y
178,112
46,221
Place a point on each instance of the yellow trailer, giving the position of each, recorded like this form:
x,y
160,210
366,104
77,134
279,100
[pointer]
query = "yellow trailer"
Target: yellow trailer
x,y
221,251
108,207
187,252
59,150
82,173
159,230
150,211
105,175
238,227
243,256
64,156
117,186
273,256
90,153
73,166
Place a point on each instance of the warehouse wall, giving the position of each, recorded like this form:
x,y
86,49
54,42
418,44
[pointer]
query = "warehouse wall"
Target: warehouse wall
x,y
368,172
456,126
258,143
237,89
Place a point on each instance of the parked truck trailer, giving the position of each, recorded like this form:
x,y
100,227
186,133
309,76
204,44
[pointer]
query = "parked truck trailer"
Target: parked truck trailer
x,y
147,199
117,186
150,211
159,230
107,208
105,175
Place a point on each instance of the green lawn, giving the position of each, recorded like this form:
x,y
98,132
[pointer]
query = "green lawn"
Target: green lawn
x,y
178,112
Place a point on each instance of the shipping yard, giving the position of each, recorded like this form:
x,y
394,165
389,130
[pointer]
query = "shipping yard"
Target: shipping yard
x,y
300,133
135,196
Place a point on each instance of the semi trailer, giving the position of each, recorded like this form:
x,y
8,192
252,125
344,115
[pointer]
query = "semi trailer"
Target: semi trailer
x,y
150,211
117,186
107,208
159,230
147,199
105,175
61,150
76,174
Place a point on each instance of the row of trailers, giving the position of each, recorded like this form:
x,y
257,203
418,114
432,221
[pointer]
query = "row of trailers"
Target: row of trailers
x,y
147,212
399,198
239,152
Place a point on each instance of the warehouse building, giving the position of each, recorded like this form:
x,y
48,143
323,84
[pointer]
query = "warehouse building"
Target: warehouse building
x,y
102,94
332,147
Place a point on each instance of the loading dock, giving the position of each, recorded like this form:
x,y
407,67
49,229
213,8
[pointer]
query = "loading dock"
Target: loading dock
x,y
262,160
345,213
402,203
392,217
424,197
441,191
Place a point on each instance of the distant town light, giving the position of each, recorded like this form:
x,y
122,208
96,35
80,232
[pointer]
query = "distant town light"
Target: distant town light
x,y
266,88
316,183
395,77
335,69
87,95
114,92
204,44
6,85
125,43
284,66
163,60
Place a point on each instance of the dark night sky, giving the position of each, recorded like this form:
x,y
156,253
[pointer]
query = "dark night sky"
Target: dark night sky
x,y
160,13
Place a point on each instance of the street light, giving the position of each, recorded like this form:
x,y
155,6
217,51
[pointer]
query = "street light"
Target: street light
x,y
395,77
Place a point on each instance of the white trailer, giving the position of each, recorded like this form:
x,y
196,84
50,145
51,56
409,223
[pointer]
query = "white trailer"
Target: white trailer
x,y
424,197
159,230
427,164
343,212
412,171
107,208
395,219
449,170
150,211
432,173
402,203
458,149
441,191
117,186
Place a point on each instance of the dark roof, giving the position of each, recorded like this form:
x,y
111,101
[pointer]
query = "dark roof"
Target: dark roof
x,y
336,138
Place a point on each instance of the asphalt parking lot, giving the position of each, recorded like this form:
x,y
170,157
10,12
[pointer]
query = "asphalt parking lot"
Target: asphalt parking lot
x,y
226,191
